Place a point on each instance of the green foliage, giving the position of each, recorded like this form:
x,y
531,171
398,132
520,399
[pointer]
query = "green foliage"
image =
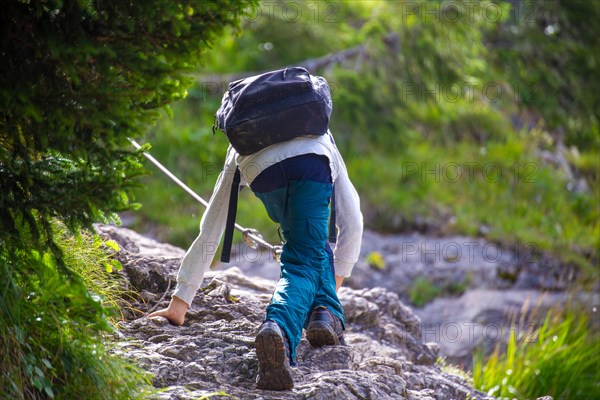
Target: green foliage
x,y
422,76
423,92
92,259
77,79
549,53
423,291
452,369
222,393
587,163
526,202
52,328
459,287
559,359
315,29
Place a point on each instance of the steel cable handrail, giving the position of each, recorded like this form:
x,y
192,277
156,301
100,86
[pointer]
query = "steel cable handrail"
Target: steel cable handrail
x,y
251,236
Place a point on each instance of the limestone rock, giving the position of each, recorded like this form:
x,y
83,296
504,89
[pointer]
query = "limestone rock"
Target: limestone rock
x,y
385,357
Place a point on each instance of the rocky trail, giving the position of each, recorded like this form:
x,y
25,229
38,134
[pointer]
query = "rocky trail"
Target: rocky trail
x,y
482,287
387,356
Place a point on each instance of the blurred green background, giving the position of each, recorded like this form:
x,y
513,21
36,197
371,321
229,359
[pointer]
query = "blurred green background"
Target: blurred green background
x,y
476,118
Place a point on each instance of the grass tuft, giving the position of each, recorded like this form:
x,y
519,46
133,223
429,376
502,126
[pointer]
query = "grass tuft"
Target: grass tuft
x,y
53,328
560,358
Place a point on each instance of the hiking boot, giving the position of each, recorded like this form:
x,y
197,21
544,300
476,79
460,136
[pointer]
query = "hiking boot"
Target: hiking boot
x,y
324,328
272,350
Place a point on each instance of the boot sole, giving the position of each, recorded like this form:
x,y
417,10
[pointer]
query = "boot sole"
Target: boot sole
x,y
320,334
274,371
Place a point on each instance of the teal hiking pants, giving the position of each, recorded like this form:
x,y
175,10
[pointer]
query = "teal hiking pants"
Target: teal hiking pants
x,y
296,193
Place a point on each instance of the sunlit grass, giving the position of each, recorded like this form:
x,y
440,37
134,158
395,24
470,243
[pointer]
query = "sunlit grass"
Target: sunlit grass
x,y
559,357
422,291
54,327
452,369
500,191
92,259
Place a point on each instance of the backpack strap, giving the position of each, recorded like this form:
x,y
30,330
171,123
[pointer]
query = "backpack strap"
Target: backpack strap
x,y
231,213
332,227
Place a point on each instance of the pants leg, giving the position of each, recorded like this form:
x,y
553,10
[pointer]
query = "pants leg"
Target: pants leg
x,y
326,294
301,207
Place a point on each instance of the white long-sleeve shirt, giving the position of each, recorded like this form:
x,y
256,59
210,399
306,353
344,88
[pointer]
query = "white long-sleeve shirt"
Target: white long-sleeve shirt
x,y
349,221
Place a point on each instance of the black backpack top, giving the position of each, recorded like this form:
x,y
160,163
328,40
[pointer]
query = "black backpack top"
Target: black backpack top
x,y
265,109
273,107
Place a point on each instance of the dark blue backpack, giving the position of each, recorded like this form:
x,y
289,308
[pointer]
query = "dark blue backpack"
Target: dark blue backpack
x,y
273,107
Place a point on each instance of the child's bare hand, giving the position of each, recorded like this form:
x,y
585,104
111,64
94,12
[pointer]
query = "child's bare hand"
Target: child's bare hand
x,y
175,312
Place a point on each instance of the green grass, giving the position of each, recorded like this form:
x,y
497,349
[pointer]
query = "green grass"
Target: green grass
x,y
561,358
92,259
423,291
499,189
55,332
463,187
383,131
452,369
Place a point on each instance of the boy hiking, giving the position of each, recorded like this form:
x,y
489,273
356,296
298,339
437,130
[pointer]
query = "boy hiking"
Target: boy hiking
x,y
294,177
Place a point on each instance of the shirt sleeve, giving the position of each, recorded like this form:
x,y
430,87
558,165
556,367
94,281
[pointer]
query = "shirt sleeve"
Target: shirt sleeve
x,y
349,222
199,256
